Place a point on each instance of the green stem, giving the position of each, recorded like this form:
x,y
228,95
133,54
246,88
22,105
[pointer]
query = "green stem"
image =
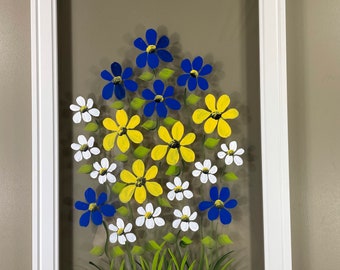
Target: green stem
x,y
106,241
132,261
93,264
177,245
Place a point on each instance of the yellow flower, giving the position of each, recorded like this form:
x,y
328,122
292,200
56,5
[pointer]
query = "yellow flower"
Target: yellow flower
x,y
123,130
216,116
138,183
175,144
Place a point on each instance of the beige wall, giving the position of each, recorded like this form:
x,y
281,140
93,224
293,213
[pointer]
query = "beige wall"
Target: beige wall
x,y
314,92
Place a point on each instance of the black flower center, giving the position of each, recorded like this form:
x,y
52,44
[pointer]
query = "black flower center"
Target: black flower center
x,y
83,109
122,131
174,144
194,73
178,189
219,204
103,171
84,147
92,206
205,170
231,152
215,115
185,218
158,98
140,182
151,49
148,215
117,80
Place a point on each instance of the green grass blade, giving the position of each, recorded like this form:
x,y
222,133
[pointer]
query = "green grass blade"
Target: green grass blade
x,y
220,261
161,261
173,259
122,265
155,260
191,267
184,260
226,266
144,264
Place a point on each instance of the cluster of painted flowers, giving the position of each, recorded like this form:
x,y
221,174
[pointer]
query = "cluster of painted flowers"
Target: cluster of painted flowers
x,y
123,132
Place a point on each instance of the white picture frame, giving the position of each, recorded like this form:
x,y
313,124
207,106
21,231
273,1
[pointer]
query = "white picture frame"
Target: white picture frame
x,y
274,135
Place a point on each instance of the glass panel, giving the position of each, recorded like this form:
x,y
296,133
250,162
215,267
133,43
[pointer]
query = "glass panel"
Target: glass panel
x,y
161,144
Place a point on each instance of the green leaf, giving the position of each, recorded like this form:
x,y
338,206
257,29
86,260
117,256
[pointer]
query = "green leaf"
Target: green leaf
x,y
91,127
117,251
97,251
165,73
224,239
149,125
169,121
137,250
211,143
86,168
137,103
173,170
118,105
164,202
121,157
185,241
122,265
192,99
153,246
117,187
123,211
146,76
141,152
208,242
169,237
230,176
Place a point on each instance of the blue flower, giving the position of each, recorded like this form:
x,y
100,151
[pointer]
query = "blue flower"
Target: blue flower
x,y
219,205
94,209
118,81
194,73
152,50
160,99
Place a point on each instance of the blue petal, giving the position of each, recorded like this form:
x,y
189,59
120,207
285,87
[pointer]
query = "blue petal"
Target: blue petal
x,y
225,216
116,69
148,94
149,109
186,65
90,195
214,193
81,205
153,61
197,63
108,90
141,60
206,70
158,85
96,217
205,205
108,210
161,109
151,36
119,91
131,85
192,83
163,42
202,83
224,194
101,199
127,73
213,213
85,219
106,75
182,79
165,55
140,44
172,103
230,204
169,91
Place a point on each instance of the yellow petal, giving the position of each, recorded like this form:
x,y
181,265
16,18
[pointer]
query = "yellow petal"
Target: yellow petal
x,y
187,154
158,152
188,139
163,133
222,103
210,101
230,114
140,194
126,194
177,131
210,125
154,188
121,118
200,115
173,156
134,121
123,143
110,124
223,129
135,135
109,141
128,177
138,168
151,173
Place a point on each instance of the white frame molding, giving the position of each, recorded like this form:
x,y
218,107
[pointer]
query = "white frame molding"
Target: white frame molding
x,y
274,129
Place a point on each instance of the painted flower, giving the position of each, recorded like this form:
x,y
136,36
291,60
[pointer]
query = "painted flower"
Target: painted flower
x,y
118,81
179,190
205,171
84,148
216,115
231,154
194,74
219,205
121,232
149,216
160,100
152,50
123,130
103,171
94,209
176,145
84,110
139,182
185,219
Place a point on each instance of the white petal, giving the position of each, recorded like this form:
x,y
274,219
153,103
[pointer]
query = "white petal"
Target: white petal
x,y
112,167
185,185
86,117
177,213
159,221
169,184
193,226
171,195
76,118
78,156
176,223
86,154
89,103
140,221
120,223
179,196
81,101
121,239
149,207
141,210
224,147
213,169
149,223
239,152
95,150
82,139
229,160
221,155
131,237
97,166
113,227
207,163
111,178
90,142
233,146
113,238
199,165
74,108
157,212
188,194
177,181
186,211
104,163
184,226
212,179
238,161
94,174
204,178
128,228
75,146
193,216
95,112
102,179
196,173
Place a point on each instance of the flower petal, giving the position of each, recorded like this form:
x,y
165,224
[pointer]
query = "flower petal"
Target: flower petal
x,y
140,194
77,117
158,85
197,63
228,160
109,141
186,65
96,217
127,73
225,216
154,188
134,122
108,210
163,42
90,195
81,101
138,168
140,221
205,70
196,173
106,75
101,198
110,124
222,103
172,156
153,61
113,238
223,128
151,36
141,59
158,152
231,204
177,131
182,79
213,213
161,110
238,160
230,114
148,94
159,221
81,205
119,91
210,101
169,91
188,139
123,143
126,193
187,154
116,69
149,108
224,194
140,44
131,237
214,193
184,226
131,85
192,83
128,177
149,223
193,226
165,55
85,219
121,118
200,115
108,90
151,173
175,223
172,103
210,125
163,133
202,83
135,135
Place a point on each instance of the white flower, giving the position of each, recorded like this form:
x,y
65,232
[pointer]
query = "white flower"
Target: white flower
x,y
149,216
84,110
84,148
231,154
185,219
205,171
121,232
104,171
179,190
